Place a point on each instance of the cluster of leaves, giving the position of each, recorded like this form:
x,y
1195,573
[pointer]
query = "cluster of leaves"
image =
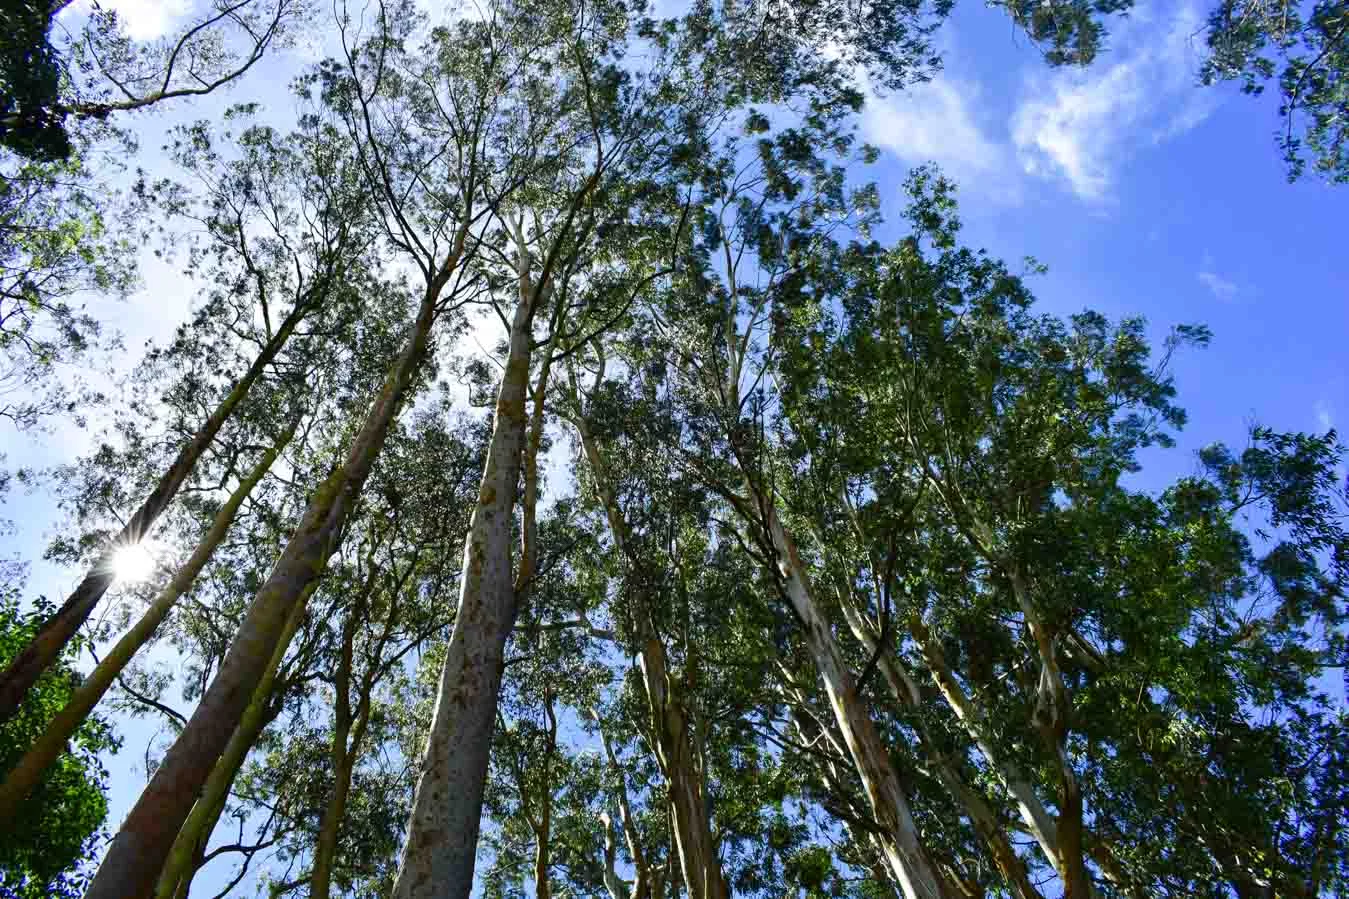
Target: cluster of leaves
x,y
50,847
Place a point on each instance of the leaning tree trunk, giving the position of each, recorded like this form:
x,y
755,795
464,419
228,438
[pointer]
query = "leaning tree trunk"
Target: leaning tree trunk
x,y
699,859
1033,812
981,814
52,742
904,851
58,630
262,710
439,855
137,854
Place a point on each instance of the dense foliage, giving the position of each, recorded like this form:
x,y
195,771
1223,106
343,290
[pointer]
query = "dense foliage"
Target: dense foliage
x,y
56,833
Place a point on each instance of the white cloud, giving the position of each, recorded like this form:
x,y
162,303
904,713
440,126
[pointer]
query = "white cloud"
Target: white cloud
x,y
1221,288
1324,416
1079,125
144,20
934,122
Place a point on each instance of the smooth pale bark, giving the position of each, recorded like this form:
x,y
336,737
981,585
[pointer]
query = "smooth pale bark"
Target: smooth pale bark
x,y
1050,717
905,692
542,857
137,853
1052,708
814,730
191,841
613,884
699,859
1034,815
647,884
52,742
904,851
441,848
58,630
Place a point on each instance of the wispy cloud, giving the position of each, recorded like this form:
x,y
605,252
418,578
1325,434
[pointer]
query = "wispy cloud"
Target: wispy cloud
x,y
1325,417
1220,287
936,121
1080,125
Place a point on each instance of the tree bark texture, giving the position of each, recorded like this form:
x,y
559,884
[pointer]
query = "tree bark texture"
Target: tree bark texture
x,y
976,805
904,851
441,848
191,840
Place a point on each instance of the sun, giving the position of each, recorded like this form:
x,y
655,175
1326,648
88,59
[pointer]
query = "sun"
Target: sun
x,y
133,563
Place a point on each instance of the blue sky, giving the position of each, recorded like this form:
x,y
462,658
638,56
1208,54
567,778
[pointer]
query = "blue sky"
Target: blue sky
x,y
1143,193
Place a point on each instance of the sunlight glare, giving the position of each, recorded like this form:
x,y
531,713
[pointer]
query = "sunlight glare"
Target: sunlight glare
x,y
133,563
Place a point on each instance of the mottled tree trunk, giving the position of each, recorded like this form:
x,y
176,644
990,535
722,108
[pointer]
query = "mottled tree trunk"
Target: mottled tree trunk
x,y
58,630
136,855
441,848
52,742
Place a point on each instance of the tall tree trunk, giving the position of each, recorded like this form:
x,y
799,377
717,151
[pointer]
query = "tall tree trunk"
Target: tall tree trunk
x,y
190,843
699,858
52,742
1033,812
58,630
136,855
904,851
441,848
543,862
348,735
905,692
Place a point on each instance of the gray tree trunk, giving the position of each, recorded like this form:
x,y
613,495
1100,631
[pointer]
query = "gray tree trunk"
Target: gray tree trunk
x,y
441,848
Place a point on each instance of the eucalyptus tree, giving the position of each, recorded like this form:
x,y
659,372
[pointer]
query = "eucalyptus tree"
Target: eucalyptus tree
x,y
763,219
1303,49
391,593
23,775
283,228
585,142
484,156
680,605
969,488
56,247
